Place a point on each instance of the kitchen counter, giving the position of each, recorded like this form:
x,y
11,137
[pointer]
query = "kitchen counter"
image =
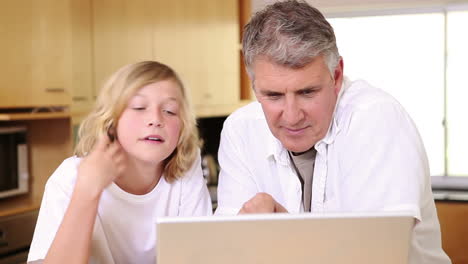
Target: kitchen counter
x,y
450,188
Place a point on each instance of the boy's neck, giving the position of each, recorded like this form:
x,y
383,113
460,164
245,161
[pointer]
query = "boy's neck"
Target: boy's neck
x,y
140,178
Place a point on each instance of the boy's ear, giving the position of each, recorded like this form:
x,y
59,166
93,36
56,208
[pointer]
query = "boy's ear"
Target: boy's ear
x,y
111,133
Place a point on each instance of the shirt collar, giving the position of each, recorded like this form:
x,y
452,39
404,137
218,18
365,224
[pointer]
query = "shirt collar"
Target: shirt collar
x,y
276,150
334,125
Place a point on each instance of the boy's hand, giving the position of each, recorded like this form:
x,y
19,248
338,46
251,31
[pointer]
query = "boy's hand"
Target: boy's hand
x,y
105,163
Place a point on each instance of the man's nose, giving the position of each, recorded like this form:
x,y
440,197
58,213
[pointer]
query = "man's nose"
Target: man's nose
x,y
292,112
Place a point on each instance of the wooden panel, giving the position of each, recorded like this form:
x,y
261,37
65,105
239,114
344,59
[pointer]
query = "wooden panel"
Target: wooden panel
x,y
453,217
245,12
33,116
51,60
15,51
218,109
199,39
47,150
35,48
122,35
18,205
82,65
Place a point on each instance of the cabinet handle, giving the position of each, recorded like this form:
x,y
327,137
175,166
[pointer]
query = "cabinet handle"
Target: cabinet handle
x,y
55,90
79,98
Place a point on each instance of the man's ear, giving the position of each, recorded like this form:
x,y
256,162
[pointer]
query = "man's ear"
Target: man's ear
x,y
254,91
338,76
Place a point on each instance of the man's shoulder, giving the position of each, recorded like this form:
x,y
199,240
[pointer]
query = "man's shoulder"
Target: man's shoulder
x,y
247,117
251,111
247,124
360,97
360,94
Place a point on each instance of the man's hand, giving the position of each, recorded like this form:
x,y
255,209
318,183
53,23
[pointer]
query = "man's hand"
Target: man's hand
x,y
262,203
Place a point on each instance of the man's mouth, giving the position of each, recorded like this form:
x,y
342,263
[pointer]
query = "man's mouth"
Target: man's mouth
x,y
295,130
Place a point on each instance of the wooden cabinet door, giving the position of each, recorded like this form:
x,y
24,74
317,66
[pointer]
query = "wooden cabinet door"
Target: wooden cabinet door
x,y
122,35
199,39
51,52
35,47
15,51
453,218
82,64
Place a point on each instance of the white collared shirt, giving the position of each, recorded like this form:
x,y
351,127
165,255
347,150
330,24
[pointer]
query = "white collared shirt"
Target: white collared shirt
x,y
371,160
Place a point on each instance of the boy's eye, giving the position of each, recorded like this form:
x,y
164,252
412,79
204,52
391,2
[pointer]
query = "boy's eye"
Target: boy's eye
x,y
169,112
138,108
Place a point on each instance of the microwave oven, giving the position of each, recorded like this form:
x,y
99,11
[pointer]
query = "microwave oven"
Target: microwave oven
x,y
14,173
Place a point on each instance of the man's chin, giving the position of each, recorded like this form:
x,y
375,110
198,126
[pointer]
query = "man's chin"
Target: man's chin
x,y
296,148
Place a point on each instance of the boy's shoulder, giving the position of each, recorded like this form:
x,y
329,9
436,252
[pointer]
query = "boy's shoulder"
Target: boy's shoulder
x,y
65,175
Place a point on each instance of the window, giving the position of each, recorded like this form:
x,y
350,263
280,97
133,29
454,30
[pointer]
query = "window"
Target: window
x,y
457,93
405,55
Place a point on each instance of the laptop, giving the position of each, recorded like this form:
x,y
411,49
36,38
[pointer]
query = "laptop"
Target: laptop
x,y
382,238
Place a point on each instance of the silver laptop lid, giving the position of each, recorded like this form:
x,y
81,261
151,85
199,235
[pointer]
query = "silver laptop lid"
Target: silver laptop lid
x,y
382,238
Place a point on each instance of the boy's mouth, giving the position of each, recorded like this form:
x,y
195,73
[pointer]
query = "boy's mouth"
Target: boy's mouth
x,y
155,138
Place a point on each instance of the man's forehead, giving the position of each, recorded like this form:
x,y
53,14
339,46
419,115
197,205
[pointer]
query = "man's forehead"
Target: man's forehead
x,y
272,76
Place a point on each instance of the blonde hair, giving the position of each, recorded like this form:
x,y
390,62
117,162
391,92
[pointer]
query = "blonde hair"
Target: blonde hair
x,y
112,101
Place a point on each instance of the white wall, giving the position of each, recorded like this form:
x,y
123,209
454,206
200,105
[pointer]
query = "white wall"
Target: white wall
x,y
339,6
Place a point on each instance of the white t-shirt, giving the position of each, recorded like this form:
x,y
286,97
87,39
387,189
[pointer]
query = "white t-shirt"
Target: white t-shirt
x,y
372,159
125,227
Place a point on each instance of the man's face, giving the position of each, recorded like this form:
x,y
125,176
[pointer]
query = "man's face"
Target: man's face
x,y
298,103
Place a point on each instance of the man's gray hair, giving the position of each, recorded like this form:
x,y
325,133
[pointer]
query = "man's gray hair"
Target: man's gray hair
x,y
291,34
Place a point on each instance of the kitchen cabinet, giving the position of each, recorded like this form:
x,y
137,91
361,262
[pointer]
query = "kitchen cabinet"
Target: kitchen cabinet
x,y
82,87
51,56
121,35
15,51
199,39
453,218
47,148
35,48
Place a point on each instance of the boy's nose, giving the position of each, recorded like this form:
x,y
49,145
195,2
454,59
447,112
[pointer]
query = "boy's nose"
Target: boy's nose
x,y
156,124
156,120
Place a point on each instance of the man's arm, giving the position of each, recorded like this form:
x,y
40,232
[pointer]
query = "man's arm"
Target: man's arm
x,y
236,183
383,162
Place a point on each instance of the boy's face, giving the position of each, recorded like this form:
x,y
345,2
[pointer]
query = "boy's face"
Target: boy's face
x,y
150,125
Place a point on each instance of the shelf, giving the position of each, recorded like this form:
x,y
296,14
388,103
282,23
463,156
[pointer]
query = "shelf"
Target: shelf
x,y
218,110
33,116
18,205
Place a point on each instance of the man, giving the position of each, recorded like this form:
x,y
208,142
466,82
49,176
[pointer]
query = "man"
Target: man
x,y
316,141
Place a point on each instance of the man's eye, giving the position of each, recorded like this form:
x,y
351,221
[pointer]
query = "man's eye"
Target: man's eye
x,y
307,92
273,96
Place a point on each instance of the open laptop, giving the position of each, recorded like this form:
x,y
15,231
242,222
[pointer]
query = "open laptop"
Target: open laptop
x,y
285,238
